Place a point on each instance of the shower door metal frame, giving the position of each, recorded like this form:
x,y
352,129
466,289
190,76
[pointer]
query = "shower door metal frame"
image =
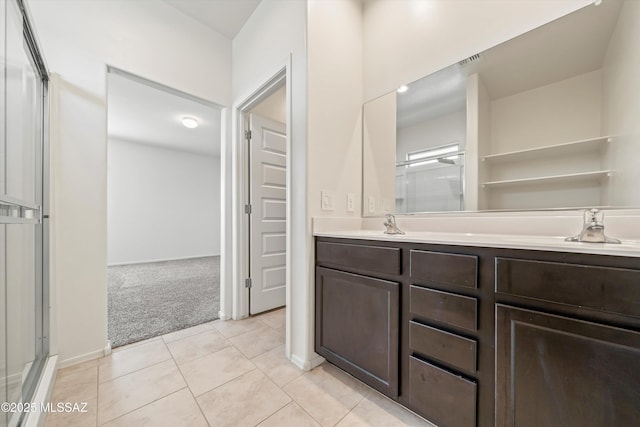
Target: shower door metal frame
x,y
16,211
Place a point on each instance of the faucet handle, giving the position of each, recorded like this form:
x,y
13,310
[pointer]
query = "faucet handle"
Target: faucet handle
x,y
594,216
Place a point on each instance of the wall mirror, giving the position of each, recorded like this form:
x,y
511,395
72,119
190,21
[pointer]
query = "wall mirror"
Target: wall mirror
x,y
549,119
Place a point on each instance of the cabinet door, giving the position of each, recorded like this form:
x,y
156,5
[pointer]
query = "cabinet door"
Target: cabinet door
x,y
357,326
556,371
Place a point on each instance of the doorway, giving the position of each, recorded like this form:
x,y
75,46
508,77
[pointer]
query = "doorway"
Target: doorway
x,y
265,137
164,204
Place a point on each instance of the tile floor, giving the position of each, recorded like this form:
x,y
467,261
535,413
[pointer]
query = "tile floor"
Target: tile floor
x,y
231,373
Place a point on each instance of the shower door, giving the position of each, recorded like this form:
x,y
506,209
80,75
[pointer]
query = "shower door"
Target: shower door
x,y
23,223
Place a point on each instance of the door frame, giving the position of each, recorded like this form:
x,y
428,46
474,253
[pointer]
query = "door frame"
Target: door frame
x,y
240,181
224,113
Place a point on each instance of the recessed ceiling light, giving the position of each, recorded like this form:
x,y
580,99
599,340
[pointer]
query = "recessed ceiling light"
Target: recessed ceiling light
x,y
189,122
403,89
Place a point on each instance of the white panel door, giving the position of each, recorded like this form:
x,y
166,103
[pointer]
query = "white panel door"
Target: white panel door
x,y
268,198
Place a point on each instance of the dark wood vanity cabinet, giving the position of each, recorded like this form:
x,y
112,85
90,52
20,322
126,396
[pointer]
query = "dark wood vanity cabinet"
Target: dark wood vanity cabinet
x,y
357,326
557,371
357,319
468,336
572,356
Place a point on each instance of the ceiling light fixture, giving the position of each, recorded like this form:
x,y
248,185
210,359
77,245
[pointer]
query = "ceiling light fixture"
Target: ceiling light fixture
x,y
189,122
403,89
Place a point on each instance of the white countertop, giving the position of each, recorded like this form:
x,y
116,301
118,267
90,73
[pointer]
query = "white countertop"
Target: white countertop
x,y
509,241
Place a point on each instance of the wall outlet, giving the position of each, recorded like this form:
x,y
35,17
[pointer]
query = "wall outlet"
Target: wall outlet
x,y
351,202
371,204
327,201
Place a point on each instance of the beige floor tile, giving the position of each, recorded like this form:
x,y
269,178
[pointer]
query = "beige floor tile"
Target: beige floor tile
x,y
132,359
132,391
196,346
76,386
377,410
277,367
135,344
326,393
276,319
183,333
256,342
177,409
215,369
231,328
245,401
78,367
291,415
74,419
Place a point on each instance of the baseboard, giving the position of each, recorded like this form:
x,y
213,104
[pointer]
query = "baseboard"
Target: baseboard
x,y
307,365
43,392
114,264
83,357
223,316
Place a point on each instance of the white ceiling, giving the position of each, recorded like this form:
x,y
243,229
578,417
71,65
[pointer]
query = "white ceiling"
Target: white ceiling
x,y
141,113
224,16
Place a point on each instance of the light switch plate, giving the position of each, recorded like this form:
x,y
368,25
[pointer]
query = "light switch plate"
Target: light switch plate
x,y
371,203
327,200
351,202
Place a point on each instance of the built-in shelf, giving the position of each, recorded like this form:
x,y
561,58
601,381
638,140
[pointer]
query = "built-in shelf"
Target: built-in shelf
x,y
564,149
572,177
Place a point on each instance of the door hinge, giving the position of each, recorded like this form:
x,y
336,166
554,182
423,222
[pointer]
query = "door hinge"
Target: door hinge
x,y
247,282
247,208
247,135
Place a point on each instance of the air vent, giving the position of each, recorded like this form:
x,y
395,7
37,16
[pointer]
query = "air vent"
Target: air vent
x,y
470,59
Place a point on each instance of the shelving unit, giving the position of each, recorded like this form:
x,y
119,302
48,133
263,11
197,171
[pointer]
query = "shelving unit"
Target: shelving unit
x,y
567,174
565,149
567,178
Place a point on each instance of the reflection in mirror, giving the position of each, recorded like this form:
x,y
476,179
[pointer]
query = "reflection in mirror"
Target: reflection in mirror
x,y
431,123
546,120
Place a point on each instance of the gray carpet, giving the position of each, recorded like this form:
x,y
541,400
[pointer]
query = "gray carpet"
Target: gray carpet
x,y
147,300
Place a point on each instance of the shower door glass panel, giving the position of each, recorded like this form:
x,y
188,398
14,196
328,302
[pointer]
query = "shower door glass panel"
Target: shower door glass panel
x,y
21,233
3,264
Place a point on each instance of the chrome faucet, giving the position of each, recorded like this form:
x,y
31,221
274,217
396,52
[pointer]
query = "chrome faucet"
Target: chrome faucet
x,y
392,227
593,231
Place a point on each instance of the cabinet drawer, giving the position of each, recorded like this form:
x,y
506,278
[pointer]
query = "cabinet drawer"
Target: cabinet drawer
x,y
614,290
376,259
444,307
440,396
449,269
453,350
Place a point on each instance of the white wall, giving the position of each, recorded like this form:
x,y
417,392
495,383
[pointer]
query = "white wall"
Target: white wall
x,y
334,117
565,111
78,40
325,123
406,40
162,204
274,34
378,151
335,103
